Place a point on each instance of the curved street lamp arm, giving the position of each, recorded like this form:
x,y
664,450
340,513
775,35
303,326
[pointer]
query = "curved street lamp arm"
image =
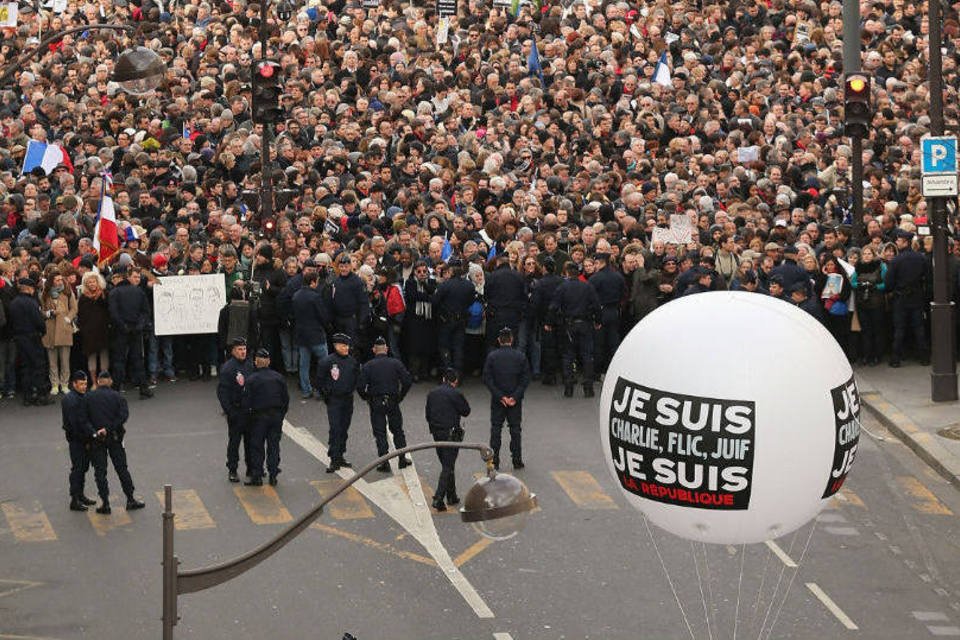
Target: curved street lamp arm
x,y
200,579
27,55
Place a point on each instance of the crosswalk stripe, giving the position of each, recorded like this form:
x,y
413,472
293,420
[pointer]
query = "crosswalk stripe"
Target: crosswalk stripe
x,y
428,494
28,523
189,510
263,505
924,500
104,524
349,505
583,489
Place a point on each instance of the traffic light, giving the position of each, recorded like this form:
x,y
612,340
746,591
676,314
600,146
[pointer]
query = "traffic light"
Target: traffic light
x,y
857,110
267,88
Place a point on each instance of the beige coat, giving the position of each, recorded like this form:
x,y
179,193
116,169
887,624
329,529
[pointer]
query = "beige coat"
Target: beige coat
x,y
59,330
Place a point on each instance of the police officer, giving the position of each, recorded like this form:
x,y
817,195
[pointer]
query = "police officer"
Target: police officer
x,y
609,285
79,431
905,280
451,303
108,413
337,378
129,313
575,311
506,374
233,376
348,304
790,271
506,292
543,292
383,383
27,327
265,400
800,296
445,406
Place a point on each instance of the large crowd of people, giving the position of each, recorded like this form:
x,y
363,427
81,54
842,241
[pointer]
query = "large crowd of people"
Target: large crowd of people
x,y
436,183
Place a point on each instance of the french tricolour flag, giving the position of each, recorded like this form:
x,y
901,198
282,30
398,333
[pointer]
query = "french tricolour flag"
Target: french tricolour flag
x,y
661,74
47,156
105,239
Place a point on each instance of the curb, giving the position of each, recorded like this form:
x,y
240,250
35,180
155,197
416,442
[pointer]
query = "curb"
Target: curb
x,y
924,444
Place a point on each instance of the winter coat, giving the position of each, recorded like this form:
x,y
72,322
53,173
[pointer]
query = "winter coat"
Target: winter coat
x,y
60,325
93,318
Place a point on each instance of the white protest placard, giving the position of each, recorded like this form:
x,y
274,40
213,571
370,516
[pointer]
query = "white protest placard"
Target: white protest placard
x,y
661,234
188,304
682,228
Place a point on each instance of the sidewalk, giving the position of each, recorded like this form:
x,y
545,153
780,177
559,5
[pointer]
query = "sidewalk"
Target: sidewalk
x,y
900,399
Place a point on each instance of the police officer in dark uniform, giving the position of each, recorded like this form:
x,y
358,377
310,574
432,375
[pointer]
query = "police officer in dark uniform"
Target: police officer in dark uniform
x,y
79,431
543,292
27,327
906,282
265,400
609,284
506,293
383,383
129,313
800,296
445,406
233,376
790,271
348,304
108,413
337,378
451,303
574,312
506,374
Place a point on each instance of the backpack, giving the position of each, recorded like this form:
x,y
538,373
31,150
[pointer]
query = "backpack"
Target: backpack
x,y
475,315
395,303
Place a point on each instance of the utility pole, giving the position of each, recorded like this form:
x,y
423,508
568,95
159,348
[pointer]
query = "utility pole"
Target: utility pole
x,y
266,140
851,64
943,376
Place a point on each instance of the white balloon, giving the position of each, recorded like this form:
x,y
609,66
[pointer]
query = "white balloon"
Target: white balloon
x,y
729,417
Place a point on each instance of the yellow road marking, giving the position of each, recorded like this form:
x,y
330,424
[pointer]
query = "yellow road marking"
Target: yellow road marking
x,y
375,544
104,524
349,505
28,523
189,510
924,500
583,489
472,551
263,505
848,497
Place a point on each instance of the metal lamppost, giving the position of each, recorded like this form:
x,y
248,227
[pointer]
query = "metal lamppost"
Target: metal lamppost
x,y
851,65
142,68
497,506
943,376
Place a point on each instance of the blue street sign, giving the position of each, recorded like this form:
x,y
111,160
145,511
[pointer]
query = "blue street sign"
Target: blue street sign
x,y
938,155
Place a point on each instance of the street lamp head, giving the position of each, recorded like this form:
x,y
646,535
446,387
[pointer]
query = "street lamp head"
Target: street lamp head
x,y
497,506
139,71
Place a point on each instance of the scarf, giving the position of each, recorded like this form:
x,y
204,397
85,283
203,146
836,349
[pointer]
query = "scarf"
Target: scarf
x,y
424,309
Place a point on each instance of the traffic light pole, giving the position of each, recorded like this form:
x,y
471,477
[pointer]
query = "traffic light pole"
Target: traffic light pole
x,y
943,375
266,140
851,64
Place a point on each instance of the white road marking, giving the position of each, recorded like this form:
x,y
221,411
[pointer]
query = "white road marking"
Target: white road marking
x,y
843,531
930,616
944,631
502,636
832,606
780,553
411,513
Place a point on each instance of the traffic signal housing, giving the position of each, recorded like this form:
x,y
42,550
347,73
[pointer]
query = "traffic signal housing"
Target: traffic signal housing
x,y
857,110
267,87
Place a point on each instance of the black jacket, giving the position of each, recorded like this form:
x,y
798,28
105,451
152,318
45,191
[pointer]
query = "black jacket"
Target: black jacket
x,y
506,373
265,390
609,285
229,388
384,376
505,291
25,317
129,307
107,410
453,298
574,300
76,421
445,406
309,318
338,375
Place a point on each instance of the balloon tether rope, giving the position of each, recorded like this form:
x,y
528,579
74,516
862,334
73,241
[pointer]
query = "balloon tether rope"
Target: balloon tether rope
x,y
673,589
736,617
696,565
792,578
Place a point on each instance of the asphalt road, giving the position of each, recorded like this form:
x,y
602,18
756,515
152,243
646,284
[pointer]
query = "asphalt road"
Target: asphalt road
x,y
883,562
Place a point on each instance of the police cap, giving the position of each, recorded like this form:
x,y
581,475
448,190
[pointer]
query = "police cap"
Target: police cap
x,y
263,353
27,282
505,334
380,342
342,338
104,375
799,287
903,234
239,341
78,375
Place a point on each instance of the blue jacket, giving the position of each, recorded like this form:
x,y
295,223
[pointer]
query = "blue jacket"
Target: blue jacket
x,y
108,410
229,389
76,420
506,373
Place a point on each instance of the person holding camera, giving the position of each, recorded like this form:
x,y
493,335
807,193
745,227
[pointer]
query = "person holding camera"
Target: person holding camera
x,y
445,406
108,413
